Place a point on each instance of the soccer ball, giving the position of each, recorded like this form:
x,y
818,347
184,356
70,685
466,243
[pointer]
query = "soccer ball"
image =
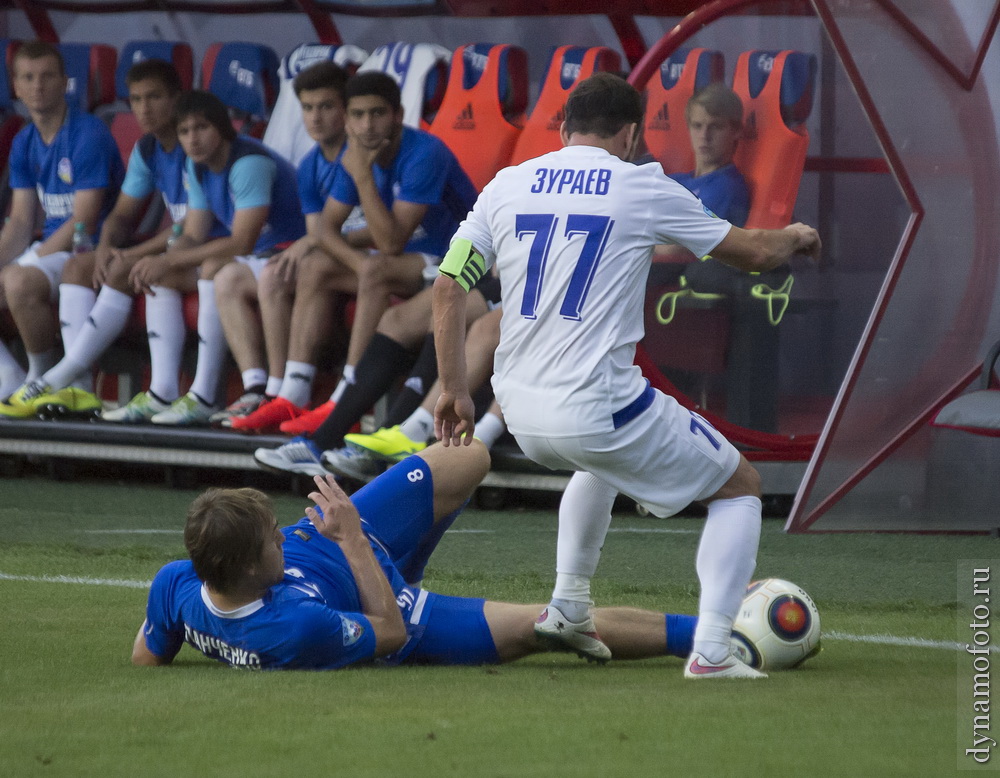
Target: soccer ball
x,y
777,626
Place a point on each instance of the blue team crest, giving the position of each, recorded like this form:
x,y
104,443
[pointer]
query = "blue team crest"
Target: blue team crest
x,y
351,630
65,171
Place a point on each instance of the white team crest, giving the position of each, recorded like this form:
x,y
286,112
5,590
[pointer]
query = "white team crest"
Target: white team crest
x,y
65,171
351,630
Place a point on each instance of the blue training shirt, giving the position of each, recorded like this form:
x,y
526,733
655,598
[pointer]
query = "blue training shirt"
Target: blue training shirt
x,y
316,176
82,155
312,620
424,171
153,168
254,176
724,192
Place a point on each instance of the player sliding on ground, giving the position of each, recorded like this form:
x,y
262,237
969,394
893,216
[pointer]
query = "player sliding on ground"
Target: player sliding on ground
x,y
571,233
341,586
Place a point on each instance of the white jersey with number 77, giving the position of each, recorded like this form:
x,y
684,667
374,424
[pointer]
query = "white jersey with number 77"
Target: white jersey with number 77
x,y
571,234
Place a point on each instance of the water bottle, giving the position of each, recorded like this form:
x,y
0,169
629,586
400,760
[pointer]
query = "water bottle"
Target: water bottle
x,y
175,233
81,240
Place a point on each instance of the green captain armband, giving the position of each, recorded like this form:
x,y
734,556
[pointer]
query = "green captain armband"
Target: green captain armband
x,y
463,264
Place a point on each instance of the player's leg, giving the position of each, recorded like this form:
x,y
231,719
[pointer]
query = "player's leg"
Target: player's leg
x,y
31,285
198,405
106,318
410,421
463,630
298,319
237,299
631,633
410,506
727,555
584,518
381,277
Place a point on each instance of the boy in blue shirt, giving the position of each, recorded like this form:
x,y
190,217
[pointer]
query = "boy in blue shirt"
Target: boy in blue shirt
x,y
337,589
248,193
156,165
67,163
413,193
320,90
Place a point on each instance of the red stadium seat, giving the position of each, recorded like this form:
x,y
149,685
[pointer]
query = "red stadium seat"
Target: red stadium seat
x,y
91,72
567,67
483,108
665,129
777,92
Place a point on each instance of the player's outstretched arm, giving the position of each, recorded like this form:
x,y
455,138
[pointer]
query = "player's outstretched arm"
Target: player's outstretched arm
x,y
341,523
762,250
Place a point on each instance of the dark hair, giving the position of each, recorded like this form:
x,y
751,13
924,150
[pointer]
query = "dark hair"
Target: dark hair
x,y
601,105
225,534
322,75
720,102
198,103
155,70
38,50
374,82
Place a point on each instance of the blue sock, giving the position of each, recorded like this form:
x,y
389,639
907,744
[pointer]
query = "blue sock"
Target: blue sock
x,y
680,634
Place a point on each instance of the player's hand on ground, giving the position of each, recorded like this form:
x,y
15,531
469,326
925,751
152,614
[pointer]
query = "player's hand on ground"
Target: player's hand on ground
x,y
454,417
146,273
809,243
340,520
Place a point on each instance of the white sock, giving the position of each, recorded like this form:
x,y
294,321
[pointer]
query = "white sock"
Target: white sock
x,y
12,375
489,429
347,380
727,555
296,387
107,319
211,345
584,517
165,327
75,304
39,363
273,386
255,376
420,425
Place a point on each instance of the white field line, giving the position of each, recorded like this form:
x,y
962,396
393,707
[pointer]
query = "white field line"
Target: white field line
x,y
73,579
892,640
455,531
881,639
133,531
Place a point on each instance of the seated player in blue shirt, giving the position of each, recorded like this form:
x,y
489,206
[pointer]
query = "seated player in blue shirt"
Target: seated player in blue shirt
x,y
156,165
66,163
260,340
341,586
251,193
715,121
414,194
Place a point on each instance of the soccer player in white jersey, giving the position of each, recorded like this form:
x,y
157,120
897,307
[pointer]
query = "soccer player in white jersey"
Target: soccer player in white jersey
x,y
571,233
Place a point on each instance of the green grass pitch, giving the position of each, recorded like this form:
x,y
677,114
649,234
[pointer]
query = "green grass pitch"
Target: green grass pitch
x,y
71,704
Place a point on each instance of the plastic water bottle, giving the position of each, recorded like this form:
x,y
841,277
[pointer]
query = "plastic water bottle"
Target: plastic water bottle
x,y
81,240
175,233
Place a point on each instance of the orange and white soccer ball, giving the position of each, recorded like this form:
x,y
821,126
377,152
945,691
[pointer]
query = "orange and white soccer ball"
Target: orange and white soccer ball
x,y
777,627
